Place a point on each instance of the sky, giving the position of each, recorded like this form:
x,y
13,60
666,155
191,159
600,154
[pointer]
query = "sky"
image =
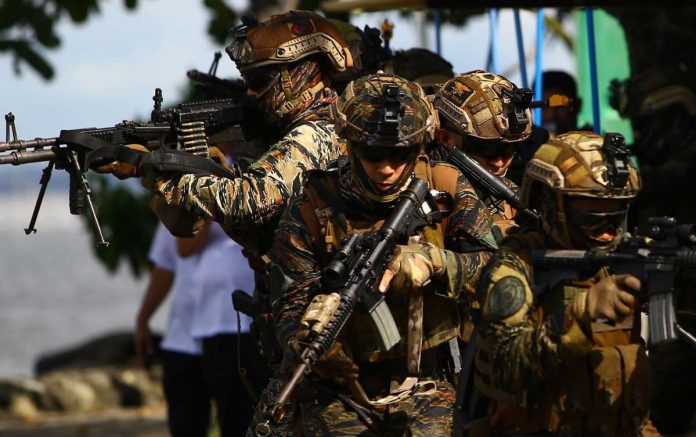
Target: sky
x,y
108,68
107,71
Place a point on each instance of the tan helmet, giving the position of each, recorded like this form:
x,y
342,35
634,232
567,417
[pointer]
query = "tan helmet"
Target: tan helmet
x,y
486,106
577,164
288,38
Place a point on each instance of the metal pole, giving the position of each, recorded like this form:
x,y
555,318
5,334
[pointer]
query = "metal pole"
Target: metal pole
x,y
493,57
438,30
520,48
538,85
596,126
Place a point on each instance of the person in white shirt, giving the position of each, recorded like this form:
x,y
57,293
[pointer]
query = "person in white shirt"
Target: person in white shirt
x,y
201,342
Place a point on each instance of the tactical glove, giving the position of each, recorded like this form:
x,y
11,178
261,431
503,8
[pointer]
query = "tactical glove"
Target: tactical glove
x,y
611,298
336,365
413,266
122,170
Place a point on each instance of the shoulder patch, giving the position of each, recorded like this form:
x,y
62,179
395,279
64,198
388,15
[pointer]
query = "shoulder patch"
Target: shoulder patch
x,y
506,297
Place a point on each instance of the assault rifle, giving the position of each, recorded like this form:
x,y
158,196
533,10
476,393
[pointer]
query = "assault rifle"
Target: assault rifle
x,y
489,182
352,277
656,261
188,127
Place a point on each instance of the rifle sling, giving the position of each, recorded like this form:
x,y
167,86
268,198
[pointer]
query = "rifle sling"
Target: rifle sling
x,y
169,160
100,151
166,160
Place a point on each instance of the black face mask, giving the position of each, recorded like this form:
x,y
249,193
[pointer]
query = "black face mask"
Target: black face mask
x,y
260,79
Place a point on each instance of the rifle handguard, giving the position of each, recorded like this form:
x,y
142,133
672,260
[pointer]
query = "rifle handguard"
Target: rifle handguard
x,y
319,313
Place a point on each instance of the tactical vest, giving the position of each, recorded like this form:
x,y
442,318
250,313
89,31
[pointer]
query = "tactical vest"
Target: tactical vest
x,y
327,223
605,393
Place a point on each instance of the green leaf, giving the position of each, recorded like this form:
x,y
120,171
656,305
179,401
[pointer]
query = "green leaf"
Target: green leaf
x,y
34,59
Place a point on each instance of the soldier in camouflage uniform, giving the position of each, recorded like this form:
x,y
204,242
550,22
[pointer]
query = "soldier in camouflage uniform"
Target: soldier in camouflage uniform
x,y
358,196
286,63
565,358
474,113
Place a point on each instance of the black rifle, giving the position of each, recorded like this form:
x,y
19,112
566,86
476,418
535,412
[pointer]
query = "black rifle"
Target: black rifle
x,y
656,261
489,182
353,275
187,127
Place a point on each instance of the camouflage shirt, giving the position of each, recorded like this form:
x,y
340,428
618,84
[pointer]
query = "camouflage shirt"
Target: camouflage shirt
x,y
297,264
248,207
545,370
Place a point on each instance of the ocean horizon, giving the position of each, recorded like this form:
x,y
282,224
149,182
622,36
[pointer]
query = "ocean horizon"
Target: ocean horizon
x,y
54,293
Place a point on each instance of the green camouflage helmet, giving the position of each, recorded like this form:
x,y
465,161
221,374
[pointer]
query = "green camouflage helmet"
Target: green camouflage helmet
x,y
384,110
479,104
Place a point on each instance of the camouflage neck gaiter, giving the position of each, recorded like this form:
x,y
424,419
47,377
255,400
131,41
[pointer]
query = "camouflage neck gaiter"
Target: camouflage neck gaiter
x,y
296,89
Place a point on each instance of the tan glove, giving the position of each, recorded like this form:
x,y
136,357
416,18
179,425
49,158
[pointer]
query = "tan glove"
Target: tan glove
x,y
336,365
120,169
611,298
216,155
412,267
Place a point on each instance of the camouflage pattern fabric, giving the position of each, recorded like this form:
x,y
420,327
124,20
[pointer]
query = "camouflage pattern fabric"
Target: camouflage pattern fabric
x,y
267,398
296,279
543,372
474,103
499,208
248,207
361,106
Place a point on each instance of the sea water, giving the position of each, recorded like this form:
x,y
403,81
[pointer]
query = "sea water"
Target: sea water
x,y
54,293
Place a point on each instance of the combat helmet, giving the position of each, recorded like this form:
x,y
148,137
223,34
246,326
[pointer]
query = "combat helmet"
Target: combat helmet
x,y
579,165
384,116
288,38
384,110
485,106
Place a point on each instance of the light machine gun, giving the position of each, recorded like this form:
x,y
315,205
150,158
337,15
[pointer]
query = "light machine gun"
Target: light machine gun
x,y
188,127
352,277
656,261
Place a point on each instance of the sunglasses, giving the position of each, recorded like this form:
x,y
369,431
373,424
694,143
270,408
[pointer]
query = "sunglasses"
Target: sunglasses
x,y
260,79
597,222
490,151
376,154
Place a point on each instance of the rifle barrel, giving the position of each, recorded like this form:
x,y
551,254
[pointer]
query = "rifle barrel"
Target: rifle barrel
x,y
26,157
27,144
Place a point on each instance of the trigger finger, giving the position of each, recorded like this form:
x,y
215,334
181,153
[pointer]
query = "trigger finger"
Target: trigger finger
x,y
626,298
387,277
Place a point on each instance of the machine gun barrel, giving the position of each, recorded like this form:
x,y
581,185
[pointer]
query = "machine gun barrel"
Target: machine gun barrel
x,y
37,143
26,157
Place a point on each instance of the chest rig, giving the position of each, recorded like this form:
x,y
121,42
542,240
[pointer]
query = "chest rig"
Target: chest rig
x,y
329,220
